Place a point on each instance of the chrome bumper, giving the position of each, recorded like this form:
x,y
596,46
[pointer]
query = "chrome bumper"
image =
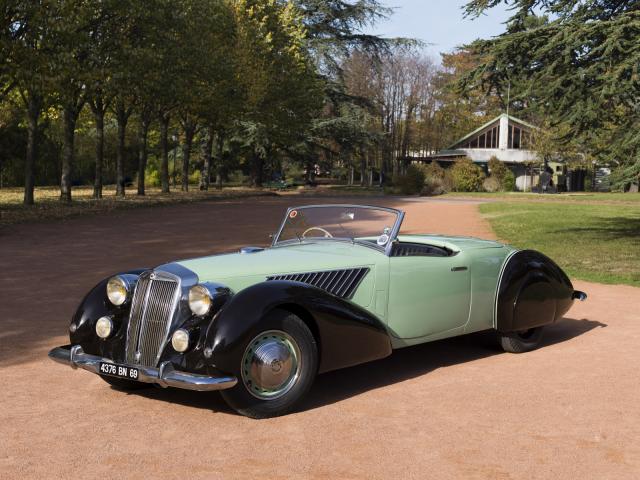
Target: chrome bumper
x,y
165,376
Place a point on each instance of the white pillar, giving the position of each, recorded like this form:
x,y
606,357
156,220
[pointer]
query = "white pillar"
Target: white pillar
x,y
504,132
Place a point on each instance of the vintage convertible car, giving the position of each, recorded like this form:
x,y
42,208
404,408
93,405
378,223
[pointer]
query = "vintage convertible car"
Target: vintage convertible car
x,y
338,287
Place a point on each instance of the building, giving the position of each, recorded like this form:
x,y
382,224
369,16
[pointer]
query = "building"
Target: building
x,y
510,140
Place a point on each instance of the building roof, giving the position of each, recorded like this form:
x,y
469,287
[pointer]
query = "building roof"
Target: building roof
x,y
490,122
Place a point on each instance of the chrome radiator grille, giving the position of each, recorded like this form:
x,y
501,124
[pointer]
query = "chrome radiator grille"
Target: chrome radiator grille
x,y
152,308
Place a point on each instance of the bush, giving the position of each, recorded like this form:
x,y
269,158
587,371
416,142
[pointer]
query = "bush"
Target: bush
x,y
509,182
152,178
412,182
497,169
435,179
467,176
491,184
237,177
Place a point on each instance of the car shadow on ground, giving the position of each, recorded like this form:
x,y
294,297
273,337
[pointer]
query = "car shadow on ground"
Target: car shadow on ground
x,y
402,365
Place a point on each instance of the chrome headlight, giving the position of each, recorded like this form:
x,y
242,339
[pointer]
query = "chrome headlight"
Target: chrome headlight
x,y
118,290
180,340
200,300
104,327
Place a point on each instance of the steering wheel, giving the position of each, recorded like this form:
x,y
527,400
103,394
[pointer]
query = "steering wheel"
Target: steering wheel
x,y
326,234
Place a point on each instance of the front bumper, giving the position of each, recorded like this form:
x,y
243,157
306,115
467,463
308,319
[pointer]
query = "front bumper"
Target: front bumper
x,y
165,375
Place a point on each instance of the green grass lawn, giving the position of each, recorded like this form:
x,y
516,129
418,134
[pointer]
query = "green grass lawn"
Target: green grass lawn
x,y
600,243
572,197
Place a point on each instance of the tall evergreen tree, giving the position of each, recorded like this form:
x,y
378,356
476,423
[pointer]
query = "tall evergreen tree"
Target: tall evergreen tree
x,y
579,67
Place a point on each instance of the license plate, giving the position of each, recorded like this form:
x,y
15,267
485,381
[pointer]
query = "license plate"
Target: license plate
x,y
119,371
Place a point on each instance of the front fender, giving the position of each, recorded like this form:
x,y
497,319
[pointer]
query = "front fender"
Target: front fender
x,y
346,333
93,306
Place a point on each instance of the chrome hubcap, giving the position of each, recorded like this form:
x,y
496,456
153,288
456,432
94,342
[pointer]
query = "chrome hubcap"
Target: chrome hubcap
x,y
271,365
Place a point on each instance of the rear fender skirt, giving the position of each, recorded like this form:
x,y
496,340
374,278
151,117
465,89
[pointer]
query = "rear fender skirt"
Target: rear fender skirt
x,y
533,291
348,334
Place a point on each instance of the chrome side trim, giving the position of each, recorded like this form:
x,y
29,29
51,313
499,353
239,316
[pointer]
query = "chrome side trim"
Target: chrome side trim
x,y
165,376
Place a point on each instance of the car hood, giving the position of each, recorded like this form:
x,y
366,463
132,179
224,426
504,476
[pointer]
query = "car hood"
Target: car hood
x,y
240,270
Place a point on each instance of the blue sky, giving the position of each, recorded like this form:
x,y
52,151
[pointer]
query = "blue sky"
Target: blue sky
x,y
439,22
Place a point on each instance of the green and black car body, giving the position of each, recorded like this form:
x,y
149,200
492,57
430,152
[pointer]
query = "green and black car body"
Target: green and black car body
x,y
338,287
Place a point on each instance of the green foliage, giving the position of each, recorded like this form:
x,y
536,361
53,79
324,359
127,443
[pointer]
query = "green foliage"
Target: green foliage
x,y
509,181
501,179
152,178
411,182
491,184
436,180
467,176
497,168
577,67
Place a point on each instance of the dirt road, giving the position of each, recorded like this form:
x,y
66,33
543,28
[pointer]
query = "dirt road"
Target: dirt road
x,y
451,409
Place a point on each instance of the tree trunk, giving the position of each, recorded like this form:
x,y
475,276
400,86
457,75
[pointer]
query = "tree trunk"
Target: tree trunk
x,y
69,118
34,105
207,150
220,163
351,174
122,117
257,167
189,132
142,153
164,146
98,115
363,168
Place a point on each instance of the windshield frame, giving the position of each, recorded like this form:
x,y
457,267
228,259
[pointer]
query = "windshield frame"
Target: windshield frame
x,y
386,248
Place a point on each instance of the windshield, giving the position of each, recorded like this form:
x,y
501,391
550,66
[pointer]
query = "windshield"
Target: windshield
x,y
372,224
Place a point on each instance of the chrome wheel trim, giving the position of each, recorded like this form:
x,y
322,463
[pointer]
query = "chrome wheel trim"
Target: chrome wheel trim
x,y
271,365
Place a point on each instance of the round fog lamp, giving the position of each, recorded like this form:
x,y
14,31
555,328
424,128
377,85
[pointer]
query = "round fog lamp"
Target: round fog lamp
x,y
117,290
104,327
180,340
200,300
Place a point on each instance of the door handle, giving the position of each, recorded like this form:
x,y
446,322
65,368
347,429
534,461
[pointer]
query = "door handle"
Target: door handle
x,y
458,269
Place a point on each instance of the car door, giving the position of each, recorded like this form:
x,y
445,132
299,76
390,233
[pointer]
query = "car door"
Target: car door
x,y
428,295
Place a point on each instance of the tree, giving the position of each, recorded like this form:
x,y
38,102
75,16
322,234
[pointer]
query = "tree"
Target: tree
x,y
278,107
462,110
30,40
70,58
577,67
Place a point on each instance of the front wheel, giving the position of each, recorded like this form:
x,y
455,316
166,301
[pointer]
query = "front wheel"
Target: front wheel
x,y
520,342
277,368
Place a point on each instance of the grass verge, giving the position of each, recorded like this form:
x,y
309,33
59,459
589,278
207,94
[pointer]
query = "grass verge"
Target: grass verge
x,y
48,207
600,243
573,197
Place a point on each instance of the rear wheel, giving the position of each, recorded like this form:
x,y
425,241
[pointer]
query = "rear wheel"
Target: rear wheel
x,y
277,368
520,342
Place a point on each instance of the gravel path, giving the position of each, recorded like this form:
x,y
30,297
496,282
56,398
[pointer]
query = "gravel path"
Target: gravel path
x,y
457,408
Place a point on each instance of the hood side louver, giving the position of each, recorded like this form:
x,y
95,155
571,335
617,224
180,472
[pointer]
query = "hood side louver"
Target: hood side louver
x,y
342,283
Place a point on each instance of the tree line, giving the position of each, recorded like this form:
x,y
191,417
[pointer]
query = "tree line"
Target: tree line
x,y
226,77
173,92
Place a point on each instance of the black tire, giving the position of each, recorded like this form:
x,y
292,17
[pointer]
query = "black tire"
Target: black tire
x,y
246,403
124,385
520,342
